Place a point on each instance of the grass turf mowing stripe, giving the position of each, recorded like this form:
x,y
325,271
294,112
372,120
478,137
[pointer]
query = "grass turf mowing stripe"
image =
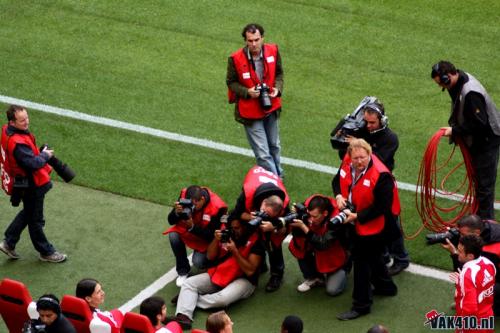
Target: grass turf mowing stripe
x,y
191,140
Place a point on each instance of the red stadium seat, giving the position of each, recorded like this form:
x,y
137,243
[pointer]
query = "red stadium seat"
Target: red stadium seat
x,y
136,323
14,301
78,312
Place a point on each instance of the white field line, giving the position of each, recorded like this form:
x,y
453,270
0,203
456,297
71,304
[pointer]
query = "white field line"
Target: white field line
x,y
171,275
192,140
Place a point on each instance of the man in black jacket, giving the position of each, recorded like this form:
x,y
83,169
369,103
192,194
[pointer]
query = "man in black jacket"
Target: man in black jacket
x,y
50,316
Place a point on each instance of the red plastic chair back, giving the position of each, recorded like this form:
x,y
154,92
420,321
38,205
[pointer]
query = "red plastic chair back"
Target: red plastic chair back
x,y
78,312
136,323
14,301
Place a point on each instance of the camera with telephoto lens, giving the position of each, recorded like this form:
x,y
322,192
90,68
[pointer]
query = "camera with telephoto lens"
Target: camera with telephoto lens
x,y
299,213
259,217
187,209
225,235
452,234
342,216
32,327
264,99
62,169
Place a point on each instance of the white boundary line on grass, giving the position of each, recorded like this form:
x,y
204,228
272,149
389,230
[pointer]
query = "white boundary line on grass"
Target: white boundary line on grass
x,y
190,140
171,274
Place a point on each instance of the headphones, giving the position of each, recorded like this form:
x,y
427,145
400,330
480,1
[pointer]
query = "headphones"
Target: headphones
x,y
54,304
375,106
444,78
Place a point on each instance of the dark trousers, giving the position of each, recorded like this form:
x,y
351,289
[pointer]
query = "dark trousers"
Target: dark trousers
x,y
369,269
276,261
181,261
31,216
485,166
308,266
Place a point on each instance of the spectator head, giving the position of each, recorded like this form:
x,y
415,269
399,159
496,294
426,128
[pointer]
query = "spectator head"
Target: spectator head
x,y
292,324
469,248
155,309
91,291
378,329
48,308
219,322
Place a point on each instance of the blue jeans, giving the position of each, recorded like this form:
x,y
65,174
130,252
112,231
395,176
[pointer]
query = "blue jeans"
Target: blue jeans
x,y
263,136
31,216
181,261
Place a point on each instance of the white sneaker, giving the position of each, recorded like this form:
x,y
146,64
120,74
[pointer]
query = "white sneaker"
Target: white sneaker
x,y
308,284
180,280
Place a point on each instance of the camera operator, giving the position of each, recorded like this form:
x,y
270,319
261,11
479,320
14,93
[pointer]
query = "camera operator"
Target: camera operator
x,y
25,176
255,83
233,276
365,181
317,246
384,143
264,191
194,221
490,235
50,320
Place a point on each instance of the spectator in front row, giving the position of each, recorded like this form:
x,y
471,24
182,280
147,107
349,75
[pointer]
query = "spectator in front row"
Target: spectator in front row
x,y
155,309
292,324
91,291
378,329
219,322
49,312
233,277
194,229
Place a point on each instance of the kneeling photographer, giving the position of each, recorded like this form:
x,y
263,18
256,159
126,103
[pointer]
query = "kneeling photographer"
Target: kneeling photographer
x,y
317,245
25,174
489,232
194,218
50,319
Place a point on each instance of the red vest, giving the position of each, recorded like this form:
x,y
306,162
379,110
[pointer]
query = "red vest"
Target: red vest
x,y
328,260
200,218
249,108
9,168
255,177
229,270
362,193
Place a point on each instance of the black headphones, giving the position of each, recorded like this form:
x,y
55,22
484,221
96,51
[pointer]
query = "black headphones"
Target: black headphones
x,y
54,304
443,77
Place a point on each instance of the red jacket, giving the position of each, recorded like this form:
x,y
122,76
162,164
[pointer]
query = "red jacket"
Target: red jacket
x,y
362,193
249,108
229,270
8,165
328,260
200,218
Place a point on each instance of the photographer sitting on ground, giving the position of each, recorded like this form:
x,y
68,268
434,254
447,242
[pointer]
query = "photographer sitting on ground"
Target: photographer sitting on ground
x,y
50,319
490,234
317,247
195,217
233,277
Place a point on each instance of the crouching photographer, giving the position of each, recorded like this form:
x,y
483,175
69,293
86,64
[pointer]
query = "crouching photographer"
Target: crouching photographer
x,y
25,175
194,218
316,243
489,232
50,319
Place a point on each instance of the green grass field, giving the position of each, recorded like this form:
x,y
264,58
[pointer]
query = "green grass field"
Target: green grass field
x,y
162,65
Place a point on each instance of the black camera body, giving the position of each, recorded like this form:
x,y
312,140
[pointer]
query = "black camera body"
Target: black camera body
x,y
187,208
264,98
225,235
32,326
259,217
452,234
300,213
61,168
342,216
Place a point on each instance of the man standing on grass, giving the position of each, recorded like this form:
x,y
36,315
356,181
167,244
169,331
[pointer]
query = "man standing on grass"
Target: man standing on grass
x,y
254,72
25,177
476,121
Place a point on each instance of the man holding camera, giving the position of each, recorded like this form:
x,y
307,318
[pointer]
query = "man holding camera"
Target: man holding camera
x,y
255,83
195,217
316,244
234,276
265,194
25,176
489,234
50,319
475,120
365,182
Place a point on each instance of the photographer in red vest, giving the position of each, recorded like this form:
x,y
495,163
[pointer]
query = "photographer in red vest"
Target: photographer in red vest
x,y
316,244
195,217
366,183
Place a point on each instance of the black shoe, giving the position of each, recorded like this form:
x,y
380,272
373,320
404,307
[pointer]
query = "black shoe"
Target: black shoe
x,y
174,299
274,283
397,268
182,319
350,315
